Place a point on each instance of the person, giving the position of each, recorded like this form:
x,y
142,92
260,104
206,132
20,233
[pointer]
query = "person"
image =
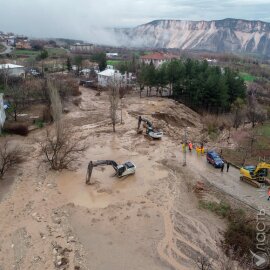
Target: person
x,y
228,166
222,167
268,194
190,146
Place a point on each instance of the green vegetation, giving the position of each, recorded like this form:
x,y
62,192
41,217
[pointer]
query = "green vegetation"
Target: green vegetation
x,y
57,52
240,235
247,77
222,209
264,130
195,83
101,59
25,52
114,62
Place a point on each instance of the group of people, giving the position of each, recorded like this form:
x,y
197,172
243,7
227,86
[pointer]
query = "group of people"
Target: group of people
x,y
223,165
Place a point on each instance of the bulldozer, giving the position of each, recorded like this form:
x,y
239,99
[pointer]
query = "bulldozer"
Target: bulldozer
x,y
150,131
121,170
255,175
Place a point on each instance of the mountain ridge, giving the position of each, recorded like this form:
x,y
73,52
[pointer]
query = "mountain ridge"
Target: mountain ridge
x,y
226,35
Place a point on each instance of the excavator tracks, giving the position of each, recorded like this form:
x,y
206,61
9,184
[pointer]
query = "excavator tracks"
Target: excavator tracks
x,y
254,183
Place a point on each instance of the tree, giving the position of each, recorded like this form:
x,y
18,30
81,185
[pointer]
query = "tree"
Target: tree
x,y
9,157
237,109
255,113
69,66
78,63
101,59
59,146
114,100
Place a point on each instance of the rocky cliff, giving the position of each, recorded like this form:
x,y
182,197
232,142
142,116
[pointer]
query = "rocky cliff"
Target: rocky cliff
x,y
228,35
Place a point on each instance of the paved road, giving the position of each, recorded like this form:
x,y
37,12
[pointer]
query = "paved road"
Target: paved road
x,y
7,50
228,182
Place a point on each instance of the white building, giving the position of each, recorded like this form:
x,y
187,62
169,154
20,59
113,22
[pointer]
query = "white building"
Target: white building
x,y
82,48
106,77
12,70
157,58
2,112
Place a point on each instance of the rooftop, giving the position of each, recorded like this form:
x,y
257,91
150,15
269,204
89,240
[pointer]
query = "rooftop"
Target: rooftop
x,y
107,72
7,66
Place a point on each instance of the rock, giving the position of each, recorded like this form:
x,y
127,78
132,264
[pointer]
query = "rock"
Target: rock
x,y
129,203
71,239
66,110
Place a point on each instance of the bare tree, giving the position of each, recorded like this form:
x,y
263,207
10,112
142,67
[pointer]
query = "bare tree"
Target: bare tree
x,y
9,157
255,113
237,109
204,263
114,100
59,146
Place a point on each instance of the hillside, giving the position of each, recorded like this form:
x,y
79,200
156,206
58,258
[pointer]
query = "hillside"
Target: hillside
x,y
228,35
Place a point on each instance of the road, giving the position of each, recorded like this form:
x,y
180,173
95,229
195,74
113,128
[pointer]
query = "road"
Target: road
x,y
7,50
228,182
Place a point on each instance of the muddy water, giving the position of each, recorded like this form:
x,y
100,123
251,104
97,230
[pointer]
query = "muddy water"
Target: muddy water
x,y
108,189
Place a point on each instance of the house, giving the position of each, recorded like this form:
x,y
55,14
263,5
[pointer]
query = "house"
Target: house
x,y
157,58
106,77
23,44
82,48
2,112
12,70
111,55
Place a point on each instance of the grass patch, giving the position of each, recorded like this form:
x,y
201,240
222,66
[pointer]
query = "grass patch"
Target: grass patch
x,y
240,235
25,52
114,62
56,52
2,48
247,77
221,209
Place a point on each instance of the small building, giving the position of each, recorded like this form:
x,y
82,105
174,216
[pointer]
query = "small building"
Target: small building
x,y
82,48
106,77
2,112
157,58
23,44
12,70
111,55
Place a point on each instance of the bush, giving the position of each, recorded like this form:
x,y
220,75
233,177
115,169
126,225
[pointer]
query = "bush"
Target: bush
x,y
16,128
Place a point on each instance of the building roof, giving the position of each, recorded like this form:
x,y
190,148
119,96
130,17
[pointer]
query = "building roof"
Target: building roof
x,y
107,72
158,56
11,66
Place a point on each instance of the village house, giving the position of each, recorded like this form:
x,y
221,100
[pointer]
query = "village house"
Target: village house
x,y
106,77
12,70
2,112
157,58
82,48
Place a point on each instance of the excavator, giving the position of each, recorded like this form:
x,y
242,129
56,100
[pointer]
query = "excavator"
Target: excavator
x,y
150,131
120,170
255,175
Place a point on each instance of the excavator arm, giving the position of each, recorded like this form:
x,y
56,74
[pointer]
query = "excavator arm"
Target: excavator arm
x,y
148,123
93,164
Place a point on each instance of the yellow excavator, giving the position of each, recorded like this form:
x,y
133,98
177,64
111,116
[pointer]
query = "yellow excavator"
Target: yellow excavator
x,y
255,175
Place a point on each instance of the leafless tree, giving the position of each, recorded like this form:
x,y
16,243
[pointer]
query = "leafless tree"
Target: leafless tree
x,y
254,112
114,100
9,157
204,263
238,112
60,147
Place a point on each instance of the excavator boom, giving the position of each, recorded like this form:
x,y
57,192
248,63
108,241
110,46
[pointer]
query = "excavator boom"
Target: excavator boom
x,y
154,134
93,164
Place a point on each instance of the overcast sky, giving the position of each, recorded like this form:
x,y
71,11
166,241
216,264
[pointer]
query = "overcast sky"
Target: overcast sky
x,y
82,18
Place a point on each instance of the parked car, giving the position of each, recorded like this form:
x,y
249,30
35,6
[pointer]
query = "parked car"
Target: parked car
x,y
214,159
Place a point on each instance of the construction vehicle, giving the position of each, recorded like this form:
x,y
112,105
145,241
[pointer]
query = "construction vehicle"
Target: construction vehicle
x,y
255,175
150,131
120,170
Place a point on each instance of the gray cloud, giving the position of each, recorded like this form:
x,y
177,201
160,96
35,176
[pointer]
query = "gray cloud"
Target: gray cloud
x,y
88,19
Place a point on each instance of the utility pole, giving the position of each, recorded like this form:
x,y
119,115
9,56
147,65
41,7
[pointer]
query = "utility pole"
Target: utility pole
x,y
185,149
121,111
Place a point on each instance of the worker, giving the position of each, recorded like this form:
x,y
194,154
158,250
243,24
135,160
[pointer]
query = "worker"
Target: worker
x,y
228,166
222,167
190,146
268,194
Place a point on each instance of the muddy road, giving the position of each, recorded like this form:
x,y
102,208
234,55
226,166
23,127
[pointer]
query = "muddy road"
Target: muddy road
x,y
149,220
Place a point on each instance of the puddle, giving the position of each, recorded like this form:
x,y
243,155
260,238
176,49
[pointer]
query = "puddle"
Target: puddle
x,y
109,189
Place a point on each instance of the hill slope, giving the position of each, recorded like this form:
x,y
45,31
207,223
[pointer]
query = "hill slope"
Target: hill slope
x,y
228,35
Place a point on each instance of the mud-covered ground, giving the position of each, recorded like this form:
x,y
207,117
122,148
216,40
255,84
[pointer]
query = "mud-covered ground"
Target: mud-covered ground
x,y
150,220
